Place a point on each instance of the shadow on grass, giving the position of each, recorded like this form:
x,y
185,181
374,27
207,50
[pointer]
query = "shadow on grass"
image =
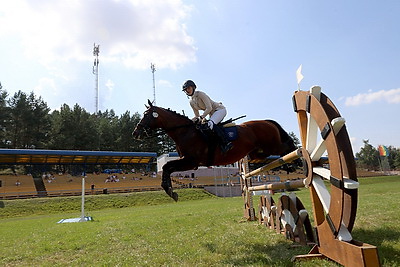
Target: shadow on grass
x,y
384,239
280,253
259,254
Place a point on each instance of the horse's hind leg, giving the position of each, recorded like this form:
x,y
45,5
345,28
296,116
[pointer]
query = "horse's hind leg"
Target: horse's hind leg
x,y
170,167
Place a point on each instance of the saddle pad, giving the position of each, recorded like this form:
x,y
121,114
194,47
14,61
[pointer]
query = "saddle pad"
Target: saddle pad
x,y
231,133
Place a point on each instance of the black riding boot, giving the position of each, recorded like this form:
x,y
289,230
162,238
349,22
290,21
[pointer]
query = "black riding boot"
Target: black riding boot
x,y
225,144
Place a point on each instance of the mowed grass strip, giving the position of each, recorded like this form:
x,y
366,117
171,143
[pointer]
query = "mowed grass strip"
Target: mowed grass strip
x,y
199,230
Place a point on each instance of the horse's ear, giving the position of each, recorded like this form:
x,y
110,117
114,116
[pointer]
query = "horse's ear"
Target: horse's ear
x,y
150,104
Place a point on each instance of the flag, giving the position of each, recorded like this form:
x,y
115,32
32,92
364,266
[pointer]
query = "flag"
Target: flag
x,y
383,151
299,76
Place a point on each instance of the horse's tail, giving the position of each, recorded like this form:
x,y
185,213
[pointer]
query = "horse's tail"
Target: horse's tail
x,y
287,141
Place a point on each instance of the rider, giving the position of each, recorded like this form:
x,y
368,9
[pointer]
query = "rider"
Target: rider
x,y
201,101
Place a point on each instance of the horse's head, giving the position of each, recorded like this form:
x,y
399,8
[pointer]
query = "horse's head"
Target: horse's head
x,y
149,122
160,118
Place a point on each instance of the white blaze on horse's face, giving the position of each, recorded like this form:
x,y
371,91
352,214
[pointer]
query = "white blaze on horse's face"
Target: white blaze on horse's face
x,y
155,114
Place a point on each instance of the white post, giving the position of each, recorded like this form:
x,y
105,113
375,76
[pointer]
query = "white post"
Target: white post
x,y
83,200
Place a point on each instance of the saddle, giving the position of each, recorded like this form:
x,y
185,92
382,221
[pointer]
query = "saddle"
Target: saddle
x,y
229,129
222,134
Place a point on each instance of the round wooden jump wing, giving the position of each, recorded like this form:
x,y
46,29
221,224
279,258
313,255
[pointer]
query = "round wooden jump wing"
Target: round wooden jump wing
x,y
323,131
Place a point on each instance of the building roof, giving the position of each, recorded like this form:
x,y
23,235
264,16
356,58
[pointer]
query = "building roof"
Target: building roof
x,y
67,157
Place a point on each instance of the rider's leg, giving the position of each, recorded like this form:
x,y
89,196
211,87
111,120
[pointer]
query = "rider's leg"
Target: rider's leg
x,y
225,144
216,118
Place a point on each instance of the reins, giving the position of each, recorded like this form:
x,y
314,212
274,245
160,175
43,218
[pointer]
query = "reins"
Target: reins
x,y
179,126
147,129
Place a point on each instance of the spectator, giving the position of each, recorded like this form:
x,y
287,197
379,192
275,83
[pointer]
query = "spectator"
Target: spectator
x,y
92,188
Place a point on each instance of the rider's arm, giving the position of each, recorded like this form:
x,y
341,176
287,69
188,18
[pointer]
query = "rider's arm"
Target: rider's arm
x,y
207,102
195,110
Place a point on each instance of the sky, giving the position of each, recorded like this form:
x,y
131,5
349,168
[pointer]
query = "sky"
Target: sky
x,y
242,53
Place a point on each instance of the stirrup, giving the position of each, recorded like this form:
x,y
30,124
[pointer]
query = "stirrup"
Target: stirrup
x,y
204,127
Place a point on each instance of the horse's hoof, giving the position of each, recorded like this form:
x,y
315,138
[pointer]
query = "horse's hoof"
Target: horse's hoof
x,y
174,196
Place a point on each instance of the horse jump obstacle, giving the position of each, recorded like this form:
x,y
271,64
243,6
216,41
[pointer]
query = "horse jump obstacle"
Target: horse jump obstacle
x,y
334,210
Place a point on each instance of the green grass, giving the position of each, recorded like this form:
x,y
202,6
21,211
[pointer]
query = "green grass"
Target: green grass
x,y
148,229
39,206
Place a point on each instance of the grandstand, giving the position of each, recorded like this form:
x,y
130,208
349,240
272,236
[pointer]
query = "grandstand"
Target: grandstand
x,y
65,184
50,184
17,186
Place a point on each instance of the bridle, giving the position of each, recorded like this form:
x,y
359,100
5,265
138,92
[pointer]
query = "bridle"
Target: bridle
x,y
148,119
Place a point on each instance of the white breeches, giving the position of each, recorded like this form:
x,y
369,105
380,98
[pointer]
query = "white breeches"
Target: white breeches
x,y
217,117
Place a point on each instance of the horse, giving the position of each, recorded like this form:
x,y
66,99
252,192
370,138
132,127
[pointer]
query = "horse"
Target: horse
x,y
258,139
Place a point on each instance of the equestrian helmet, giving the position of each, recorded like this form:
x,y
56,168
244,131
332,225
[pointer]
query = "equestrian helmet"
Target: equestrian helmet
x,y
187,84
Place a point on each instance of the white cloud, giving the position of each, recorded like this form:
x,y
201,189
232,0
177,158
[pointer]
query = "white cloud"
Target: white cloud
x,y
47,89
46,86
133,32
165,83
110,87
106,94
389,96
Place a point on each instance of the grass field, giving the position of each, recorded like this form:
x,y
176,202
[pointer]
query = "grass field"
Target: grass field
x,y
148,229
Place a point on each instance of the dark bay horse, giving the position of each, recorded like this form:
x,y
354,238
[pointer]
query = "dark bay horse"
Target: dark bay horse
x,y
258,139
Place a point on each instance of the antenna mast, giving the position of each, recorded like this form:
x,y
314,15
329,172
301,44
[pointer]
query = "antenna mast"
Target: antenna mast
x,y
153,69
96,51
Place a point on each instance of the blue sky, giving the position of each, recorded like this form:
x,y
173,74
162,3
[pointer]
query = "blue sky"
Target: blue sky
x,y
243,53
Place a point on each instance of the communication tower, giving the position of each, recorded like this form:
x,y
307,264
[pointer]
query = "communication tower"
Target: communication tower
x,y
153,69
96,51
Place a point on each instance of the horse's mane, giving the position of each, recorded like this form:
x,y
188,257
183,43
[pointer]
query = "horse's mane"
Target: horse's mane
x,y
175,113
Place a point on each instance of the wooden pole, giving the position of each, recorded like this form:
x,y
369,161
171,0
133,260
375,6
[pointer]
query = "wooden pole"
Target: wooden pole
x,y
276,163
289,184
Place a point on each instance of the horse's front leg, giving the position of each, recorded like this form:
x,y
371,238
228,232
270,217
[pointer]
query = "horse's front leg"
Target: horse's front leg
x,y
173,166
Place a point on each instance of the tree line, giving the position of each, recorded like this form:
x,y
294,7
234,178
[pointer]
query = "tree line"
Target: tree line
x,y
369,158
27,122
